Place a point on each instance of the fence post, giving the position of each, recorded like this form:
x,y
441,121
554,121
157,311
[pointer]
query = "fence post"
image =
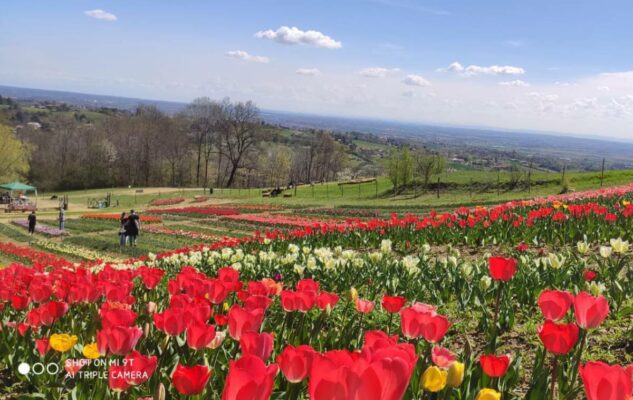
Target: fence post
x,y
602,173
498,184
438,187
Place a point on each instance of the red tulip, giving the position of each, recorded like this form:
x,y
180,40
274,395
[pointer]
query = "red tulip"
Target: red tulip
x,y
230,278
589,275
257,301
19,302
421,320
116,378
118,340
138,368
502,269
171,321
379,339
555,303
364,306
42,346
257,344
558,338
249,379
200,335
381,372
393,304
494,366
297,301
607,382
217,292
325,300
190,380
308,285
117,317
242,321
442,357
295,362
590,311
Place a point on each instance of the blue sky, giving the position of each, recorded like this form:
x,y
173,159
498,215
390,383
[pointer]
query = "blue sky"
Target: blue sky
x,y
541,65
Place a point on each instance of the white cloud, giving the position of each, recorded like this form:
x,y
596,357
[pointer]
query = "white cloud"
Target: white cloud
x,y
515,83
378,72
471,70
100,14
308,71
242,55
416,80
294,35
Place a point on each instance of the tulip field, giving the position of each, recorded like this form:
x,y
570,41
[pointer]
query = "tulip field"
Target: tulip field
x,y
521,300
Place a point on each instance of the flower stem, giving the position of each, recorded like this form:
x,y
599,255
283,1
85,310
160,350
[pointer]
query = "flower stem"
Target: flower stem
x,y
554,376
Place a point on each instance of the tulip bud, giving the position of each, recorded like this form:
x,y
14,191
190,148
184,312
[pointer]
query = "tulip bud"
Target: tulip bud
x,y
434,379
485,282
455,374
353,294
488,394
160,392
146,329
217,340
151,307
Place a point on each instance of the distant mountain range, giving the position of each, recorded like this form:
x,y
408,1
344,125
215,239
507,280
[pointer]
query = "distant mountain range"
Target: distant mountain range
x,y
618,152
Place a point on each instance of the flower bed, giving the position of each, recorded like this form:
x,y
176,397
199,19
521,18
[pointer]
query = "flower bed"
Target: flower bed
x,y
200,199
365,309
75,251
39,228
167,202
147,219
164,230
279,220
195,211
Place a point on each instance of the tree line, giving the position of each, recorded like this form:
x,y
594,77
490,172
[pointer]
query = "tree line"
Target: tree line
x,y
208,144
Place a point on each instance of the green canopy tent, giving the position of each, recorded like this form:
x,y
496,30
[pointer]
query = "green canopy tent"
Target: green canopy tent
x,y
19,187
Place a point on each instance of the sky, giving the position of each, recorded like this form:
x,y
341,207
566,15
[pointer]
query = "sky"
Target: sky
x,y
547,65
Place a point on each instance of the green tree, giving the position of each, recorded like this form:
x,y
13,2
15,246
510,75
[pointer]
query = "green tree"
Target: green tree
x,y
406,167
14,156
400,167
427,165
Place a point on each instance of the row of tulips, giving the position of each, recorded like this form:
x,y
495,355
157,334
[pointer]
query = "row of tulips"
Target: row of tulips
x,y
166,230
147,219
39,228
167,202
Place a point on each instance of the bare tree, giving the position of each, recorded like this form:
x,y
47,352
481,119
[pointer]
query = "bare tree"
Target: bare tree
x,y
203,114
238,133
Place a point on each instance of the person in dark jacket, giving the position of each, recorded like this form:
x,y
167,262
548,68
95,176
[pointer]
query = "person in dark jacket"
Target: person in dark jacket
x,y
122,231
32,222
132,227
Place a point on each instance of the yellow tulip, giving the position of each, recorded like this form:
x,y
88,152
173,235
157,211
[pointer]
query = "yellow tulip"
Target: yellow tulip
x,y
353,294
488,394
455,374
90,351
434,379
619,245
62,342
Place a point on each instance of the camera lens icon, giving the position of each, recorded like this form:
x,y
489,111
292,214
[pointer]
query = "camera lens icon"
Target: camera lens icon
x,y
24,368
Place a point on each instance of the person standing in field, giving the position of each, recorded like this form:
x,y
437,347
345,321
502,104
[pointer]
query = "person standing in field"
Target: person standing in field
x,y
133,227
61,218
123,231
32,222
